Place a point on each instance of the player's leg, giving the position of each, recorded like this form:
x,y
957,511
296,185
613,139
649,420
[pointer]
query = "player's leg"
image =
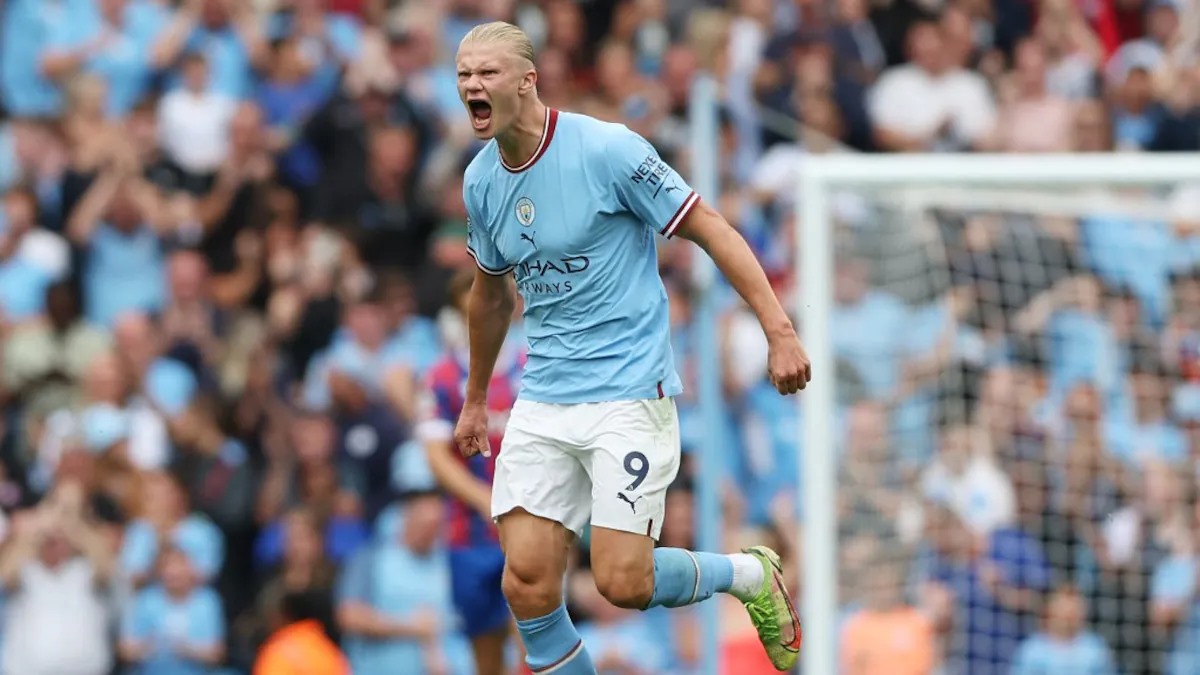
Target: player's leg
x,y
540,497
629,489
488,650
476,577
537,550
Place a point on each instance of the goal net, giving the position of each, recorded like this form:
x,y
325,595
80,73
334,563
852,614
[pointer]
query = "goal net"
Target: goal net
x,y
1001,445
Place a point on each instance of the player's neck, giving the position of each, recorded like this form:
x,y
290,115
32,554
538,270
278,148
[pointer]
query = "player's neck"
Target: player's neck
x,y
522,138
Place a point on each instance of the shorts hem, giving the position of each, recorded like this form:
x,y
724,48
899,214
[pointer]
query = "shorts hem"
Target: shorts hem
x,y
652,528
499,513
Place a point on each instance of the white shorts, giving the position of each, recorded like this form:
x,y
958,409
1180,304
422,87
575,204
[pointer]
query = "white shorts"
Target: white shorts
x,y
610,463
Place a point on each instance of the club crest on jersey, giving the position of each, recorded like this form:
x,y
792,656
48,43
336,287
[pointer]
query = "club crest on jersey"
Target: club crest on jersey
x,y
525,211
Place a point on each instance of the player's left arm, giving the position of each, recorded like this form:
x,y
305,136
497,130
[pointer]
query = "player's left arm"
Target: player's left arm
x,y
787,364
649,188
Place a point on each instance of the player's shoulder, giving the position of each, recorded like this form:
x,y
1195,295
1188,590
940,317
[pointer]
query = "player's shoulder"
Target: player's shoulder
x,y
481,166
595,134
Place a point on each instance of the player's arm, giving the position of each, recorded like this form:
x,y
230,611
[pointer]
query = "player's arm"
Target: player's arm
x,y
789,366
437,436
489,311
455,479
649,188
734,257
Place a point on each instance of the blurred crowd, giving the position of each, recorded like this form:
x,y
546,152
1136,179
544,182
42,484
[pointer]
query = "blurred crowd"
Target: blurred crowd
x,y
227,232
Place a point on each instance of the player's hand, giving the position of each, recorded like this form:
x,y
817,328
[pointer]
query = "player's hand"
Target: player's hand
x,y
787,363
471,433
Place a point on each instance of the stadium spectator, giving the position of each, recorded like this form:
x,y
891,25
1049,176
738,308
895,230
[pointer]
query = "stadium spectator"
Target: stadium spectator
x,y
1136,117
109,39
931,103
954,578
965,478
176,626
27,238
887,635
165,518
23,281
307,474
393,601
1174,608
56,571
45,359
298,644
194,122
866,326
1181,104
1065,645
302,567
1031,118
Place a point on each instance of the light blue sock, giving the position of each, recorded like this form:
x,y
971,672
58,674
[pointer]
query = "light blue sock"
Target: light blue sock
x,y
552,644
684,577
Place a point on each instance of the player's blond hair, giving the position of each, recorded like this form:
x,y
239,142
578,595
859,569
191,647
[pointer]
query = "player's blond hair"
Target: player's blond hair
x,y
501,33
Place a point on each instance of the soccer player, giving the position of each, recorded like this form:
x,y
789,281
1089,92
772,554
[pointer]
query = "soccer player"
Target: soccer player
x,y
476,561
569,206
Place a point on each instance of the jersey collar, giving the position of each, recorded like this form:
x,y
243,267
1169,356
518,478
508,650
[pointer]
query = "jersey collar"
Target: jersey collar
x,y
543,144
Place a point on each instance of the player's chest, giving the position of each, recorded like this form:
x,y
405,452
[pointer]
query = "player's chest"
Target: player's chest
x,y
544,224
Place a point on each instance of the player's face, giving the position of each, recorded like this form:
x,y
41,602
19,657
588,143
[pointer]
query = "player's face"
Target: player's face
x,y
490,80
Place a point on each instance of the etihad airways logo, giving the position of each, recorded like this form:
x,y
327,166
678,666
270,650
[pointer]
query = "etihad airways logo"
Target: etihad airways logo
x,y
548,276
565,265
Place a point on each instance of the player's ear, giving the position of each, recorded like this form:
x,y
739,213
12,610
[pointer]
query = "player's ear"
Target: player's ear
x,y
528,82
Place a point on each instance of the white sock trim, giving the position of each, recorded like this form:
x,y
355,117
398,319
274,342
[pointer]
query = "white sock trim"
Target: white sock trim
x,y
748,576
562,663
696,583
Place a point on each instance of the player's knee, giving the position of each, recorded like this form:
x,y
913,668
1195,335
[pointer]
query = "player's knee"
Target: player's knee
x,y
628,585
531,586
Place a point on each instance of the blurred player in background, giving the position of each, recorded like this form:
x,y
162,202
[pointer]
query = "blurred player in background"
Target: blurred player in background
x,y
569,206
476,560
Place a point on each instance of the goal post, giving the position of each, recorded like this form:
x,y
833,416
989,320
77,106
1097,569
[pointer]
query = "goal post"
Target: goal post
x,y
909,186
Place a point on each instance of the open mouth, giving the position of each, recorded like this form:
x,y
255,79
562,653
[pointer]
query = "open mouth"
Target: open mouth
x,y
481,113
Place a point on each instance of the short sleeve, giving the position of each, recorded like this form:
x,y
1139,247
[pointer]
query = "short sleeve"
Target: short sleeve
x,y
479,242
646,185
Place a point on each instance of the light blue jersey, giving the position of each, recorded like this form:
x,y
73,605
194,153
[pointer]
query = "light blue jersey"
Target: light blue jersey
x,y
1085,654
576,227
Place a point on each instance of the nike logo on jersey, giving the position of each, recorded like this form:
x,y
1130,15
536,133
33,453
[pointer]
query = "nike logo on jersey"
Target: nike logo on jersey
x,y
632,503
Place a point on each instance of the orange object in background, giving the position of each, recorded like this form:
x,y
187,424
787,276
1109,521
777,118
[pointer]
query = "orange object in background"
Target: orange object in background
x,y
744,655
900,641
301,649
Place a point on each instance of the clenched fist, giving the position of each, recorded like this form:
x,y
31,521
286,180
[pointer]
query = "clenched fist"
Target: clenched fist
x,y
471,432
787,363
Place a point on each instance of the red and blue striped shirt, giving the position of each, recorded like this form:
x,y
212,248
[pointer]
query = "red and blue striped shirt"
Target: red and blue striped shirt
x,y
447,381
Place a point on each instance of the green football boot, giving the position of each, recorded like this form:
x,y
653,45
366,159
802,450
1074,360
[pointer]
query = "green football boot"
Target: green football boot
x,y
772,613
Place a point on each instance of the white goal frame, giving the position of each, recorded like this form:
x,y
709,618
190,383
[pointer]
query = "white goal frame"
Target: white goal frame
x,y
824,174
